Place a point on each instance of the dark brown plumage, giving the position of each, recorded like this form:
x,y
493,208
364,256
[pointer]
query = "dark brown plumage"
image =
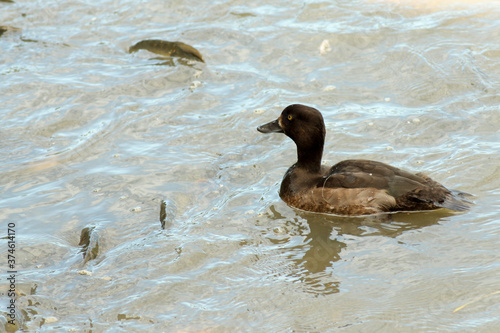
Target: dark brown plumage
x,y
350,187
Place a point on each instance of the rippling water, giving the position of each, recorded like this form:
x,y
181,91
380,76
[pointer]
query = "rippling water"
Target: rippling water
x,y
95,137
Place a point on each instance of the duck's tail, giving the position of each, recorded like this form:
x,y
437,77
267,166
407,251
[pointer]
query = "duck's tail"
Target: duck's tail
x,y
458,201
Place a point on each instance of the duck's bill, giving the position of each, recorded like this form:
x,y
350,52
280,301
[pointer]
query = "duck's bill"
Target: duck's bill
x,y
272,127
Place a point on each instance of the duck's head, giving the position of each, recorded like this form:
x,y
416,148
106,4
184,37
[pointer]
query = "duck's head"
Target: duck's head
x,y
306,127
303,124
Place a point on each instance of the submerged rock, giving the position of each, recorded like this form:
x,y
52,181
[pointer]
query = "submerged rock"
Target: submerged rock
x,y
167,213
4,29
89,241
170,49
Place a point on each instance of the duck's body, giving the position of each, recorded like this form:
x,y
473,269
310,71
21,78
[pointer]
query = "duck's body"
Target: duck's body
x,y
350,187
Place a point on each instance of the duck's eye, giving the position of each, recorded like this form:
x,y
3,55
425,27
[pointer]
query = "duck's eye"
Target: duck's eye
x,y
290,117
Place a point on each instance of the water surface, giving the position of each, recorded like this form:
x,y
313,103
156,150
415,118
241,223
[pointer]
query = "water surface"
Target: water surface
x,y
93,136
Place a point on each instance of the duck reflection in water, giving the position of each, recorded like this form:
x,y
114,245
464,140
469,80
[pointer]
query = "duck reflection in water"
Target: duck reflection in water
x,y
323,240
370,192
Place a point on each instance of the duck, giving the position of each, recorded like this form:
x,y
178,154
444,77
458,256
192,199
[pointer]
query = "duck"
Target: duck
x,y
352,187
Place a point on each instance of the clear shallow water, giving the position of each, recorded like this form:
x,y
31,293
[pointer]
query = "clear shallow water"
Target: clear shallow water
x,y
93,136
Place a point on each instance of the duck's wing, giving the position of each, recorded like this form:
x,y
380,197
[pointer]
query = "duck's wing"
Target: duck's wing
x,y
372,174
411,191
